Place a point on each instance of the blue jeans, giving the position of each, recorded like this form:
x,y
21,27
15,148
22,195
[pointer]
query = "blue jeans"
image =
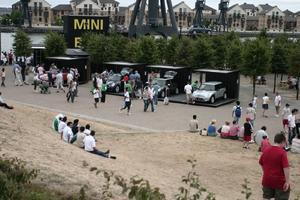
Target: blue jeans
x,y
99,153
146,104
155,99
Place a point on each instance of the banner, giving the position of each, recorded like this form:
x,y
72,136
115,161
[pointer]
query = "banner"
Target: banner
x,y
76,26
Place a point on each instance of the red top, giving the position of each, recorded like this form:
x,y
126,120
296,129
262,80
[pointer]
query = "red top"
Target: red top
x,y
265,144
273,161
126,78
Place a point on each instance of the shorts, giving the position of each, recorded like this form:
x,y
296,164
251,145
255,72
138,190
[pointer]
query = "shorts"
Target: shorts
x,y
96,100
269,193
265,106
247,138
285,122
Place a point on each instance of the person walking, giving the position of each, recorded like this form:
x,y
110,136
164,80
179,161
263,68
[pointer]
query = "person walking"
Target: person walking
x,y
18,80
286,111
3,77
265,104
251,113
292,125
72,90
103,91
276,173
59,82
96,94
188,92
145,98
277,102
237,111
127,102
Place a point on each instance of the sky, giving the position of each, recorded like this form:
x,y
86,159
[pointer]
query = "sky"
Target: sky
x,y
293,5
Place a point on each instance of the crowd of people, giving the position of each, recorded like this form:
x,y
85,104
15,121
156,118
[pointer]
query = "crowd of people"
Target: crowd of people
x,y
76,134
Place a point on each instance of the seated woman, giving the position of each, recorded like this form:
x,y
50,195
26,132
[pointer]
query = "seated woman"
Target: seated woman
x,y
234,130
211,130
296,144
225,130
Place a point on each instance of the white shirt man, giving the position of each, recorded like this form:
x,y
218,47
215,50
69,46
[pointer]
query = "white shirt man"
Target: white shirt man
x,y
266,100
69,78
99,82
61,126
67,134
277,102
188,91
80,138
89,143
258,136
292,121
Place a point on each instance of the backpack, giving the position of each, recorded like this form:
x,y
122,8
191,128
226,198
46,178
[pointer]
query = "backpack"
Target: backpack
x,y
238,112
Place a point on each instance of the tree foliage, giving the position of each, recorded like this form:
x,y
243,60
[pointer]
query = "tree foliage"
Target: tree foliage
x,y
22,44
55,44
147,51
184,51
256,59
16,17
202,54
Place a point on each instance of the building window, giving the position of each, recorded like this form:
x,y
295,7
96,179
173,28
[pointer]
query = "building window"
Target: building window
x,y
40,19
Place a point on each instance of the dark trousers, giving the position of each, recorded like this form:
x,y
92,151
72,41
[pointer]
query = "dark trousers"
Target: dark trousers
x,y
127,105
146,105
99,153
5,106
2,83
71,95
292,134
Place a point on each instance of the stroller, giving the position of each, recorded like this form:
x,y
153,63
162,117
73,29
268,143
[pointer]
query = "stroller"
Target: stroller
x,y
44,87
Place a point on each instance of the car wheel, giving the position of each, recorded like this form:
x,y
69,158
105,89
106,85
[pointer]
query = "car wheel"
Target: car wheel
x,y
225,95
163,94
176,91
212,99
117,89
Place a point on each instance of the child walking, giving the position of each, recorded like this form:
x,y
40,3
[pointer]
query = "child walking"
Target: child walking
x,y
96,94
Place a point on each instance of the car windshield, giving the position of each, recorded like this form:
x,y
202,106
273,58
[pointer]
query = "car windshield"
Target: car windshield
x,y
160,82
207,87
114,77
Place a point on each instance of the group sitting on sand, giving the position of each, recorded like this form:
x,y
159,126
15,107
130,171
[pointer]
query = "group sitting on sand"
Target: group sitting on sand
x,y
244,133
81,136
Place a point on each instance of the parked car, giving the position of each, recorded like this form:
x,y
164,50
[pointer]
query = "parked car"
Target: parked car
x,y
125,70
199,30
209,92
114,83
164,84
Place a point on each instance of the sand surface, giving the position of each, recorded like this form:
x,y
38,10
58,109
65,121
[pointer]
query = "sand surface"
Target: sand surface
x,y
26,133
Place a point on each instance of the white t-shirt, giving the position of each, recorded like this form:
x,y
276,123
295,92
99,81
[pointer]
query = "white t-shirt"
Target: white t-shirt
x,y
80,139
266,100
61,126
292,121
67,134
2,74
87,131
127,97
277,100
225,129
59,78
69,77
89,143
96,94
286,112
258,137
188,89
251,113
234,108
254,102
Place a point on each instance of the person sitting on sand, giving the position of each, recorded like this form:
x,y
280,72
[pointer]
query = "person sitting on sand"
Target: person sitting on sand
x,y
62,124
90,146
234,130
258,136
211,130
194,125
3,104
87,130
248,130
80,137
225,130
67,133
56,121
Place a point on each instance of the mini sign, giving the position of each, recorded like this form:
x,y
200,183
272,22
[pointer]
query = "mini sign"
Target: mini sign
x,y
76,26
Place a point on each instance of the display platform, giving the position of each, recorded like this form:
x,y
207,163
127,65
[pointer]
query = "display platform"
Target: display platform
x,y
180,98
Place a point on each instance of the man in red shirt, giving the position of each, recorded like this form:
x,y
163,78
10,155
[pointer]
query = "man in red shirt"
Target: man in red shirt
x,y
275,166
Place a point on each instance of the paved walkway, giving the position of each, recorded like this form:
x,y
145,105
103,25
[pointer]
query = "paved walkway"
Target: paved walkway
x,y
174,117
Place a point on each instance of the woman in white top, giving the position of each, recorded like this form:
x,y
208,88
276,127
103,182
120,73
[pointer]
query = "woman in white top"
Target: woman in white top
x,y
265,105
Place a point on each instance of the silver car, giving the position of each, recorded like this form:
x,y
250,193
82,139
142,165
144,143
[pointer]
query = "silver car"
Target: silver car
x,y
209,92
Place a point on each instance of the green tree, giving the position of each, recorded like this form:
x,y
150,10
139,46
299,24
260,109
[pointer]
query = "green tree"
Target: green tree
x,y
202,53
170,53
58,21
219,46
22,44
55,44
161,44
294,61
184,52
5,20
131,51
16,17
234,55
279,60
256,59
117,45
147,51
